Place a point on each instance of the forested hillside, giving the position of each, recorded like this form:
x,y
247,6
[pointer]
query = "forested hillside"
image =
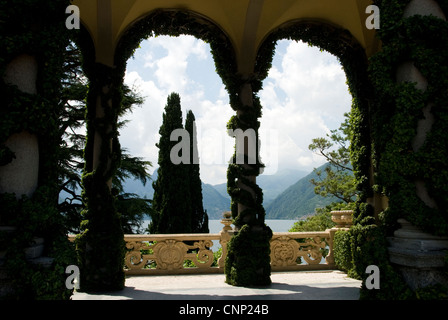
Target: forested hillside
x,y
298,200
288,195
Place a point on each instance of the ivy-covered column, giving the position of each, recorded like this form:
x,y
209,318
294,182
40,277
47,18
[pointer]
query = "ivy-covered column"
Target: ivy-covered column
x,y
248,258
34,249
410,124
101,245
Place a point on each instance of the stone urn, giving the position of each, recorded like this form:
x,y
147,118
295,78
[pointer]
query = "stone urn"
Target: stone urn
x,y
342,218
227,220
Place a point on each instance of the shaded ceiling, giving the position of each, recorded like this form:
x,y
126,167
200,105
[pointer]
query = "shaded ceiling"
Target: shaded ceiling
x,y
246,22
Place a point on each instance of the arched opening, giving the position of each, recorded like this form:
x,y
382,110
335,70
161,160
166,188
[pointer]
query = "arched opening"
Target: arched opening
x,y
184,65
105,97
304,97
103,148
244,88
352,57
402,126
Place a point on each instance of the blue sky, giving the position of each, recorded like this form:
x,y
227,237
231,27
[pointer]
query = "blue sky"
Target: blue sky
x,y
304,96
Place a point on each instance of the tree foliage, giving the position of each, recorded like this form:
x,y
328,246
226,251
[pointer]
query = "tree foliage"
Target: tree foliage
x,y
337,178
321,220
171,202
198,214
71,163
177,202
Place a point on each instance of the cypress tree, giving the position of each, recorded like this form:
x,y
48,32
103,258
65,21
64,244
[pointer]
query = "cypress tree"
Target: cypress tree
x,y
171,202
198,214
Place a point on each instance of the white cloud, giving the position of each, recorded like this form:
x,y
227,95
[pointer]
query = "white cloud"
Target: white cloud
x,y
165,63
304,96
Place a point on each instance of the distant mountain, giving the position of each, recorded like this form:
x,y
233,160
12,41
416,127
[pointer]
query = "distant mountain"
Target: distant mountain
x,y
216,199
298,200
288,194
135,186
214,202
272,185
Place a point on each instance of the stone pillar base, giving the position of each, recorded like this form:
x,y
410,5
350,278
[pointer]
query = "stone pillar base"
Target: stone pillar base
x,y
419,256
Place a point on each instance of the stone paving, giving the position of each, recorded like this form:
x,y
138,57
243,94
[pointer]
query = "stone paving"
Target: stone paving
x,y
299,285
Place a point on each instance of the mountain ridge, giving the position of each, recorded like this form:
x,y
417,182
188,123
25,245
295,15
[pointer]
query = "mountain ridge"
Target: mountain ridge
x,y
298,200
288,194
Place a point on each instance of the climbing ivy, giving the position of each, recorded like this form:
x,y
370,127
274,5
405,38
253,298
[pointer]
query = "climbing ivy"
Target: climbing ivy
x,y
102,269
248,260
101,226
24,30
383,122
395,110
174,23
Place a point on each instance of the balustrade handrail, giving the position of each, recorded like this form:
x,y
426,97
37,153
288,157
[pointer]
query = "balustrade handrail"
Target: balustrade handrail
x,y
180,236
300,235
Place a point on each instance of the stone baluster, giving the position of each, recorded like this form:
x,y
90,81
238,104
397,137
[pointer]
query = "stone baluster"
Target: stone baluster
x,y
20,176
343,220
225,236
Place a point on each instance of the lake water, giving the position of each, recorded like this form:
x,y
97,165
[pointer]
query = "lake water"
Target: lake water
x,y
216,226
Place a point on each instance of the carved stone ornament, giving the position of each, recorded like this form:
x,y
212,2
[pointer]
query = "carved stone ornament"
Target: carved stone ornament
x,y
284,251
170,254
311,250
204,257
133,258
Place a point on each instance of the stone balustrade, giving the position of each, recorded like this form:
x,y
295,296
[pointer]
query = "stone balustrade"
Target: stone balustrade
x,y
193,253
171,253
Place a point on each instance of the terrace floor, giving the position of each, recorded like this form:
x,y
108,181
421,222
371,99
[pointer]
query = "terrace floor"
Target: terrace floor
x,y
297,285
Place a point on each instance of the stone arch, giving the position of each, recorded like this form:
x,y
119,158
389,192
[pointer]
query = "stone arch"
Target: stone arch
x,y
353,58
249,215
102,152
35,25
258,22
174,23
260,27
